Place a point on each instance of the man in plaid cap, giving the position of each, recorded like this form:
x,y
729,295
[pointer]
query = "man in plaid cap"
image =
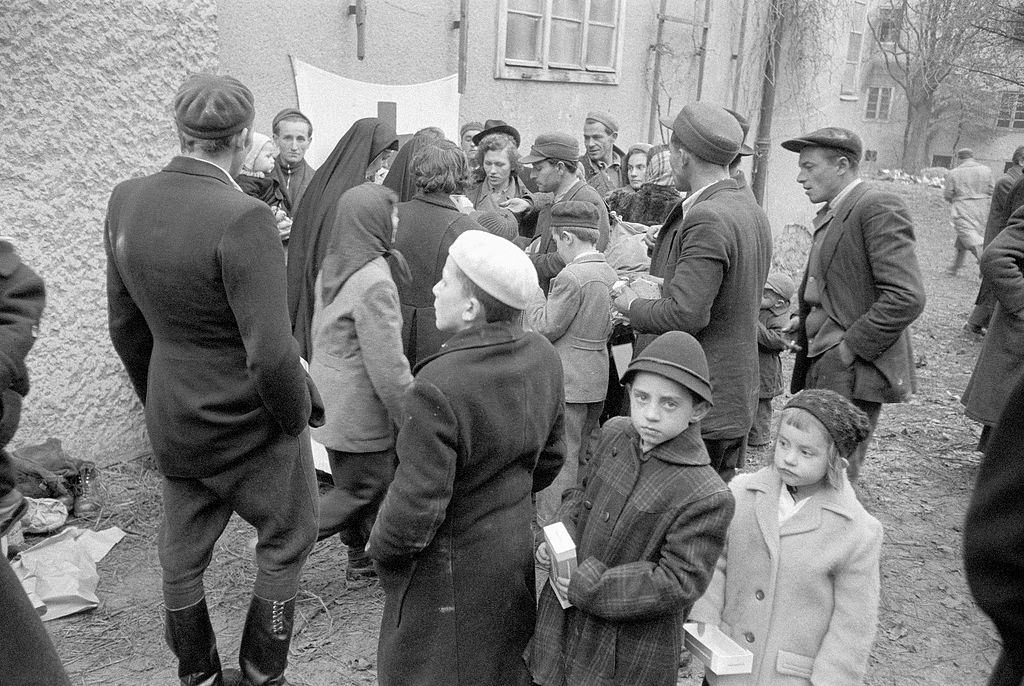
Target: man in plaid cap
x,y
196,295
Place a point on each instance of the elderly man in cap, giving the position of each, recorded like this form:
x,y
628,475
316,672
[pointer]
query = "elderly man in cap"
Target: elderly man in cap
x,y
968,190
713,254
862,287
554,160
602,165
195,282
293,132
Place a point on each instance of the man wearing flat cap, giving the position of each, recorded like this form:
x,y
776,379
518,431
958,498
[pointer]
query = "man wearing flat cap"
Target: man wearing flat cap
x,y
862,287
713,253
196,297
602,162
554,161
293,133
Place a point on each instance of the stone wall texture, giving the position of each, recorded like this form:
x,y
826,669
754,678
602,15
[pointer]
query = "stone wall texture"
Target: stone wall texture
x,y
85,91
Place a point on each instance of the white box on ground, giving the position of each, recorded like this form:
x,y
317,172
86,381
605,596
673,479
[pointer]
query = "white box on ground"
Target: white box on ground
x,y
563,557
719,653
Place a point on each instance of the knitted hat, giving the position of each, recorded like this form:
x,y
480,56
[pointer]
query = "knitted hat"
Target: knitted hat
x,y
847,425
553,146
499,223
707,131
575,213
209,107
781,284
290,113
470,126
497,266
610,122
676,355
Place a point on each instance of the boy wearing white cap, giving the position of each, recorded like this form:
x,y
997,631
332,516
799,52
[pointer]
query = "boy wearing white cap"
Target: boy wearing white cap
x,y
453,541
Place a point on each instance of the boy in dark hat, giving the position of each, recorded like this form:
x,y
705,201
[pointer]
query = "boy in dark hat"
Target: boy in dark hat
x,y
649,522
771,341
483,430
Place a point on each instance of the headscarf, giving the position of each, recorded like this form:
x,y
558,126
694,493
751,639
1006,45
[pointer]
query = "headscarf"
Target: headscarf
x,y
361,232
401,178
344,168
659,166
258,141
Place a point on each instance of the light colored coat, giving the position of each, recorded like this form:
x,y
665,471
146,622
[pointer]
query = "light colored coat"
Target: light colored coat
x,y
576,319
803,596
357,361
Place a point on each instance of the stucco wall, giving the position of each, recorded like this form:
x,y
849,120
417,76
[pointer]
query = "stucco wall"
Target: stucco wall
x,y
85,89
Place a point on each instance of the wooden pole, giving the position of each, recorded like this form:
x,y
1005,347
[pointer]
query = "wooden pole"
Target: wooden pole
x,y
463,42
652,128
762,146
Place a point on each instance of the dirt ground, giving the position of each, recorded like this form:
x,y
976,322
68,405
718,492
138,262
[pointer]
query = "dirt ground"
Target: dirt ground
x,y
917,482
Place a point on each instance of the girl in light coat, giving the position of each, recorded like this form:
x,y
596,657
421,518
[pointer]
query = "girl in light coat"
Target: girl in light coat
x,y
798,582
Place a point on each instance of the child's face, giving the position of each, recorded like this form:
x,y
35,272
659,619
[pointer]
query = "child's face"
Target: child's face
x,y
660,408
264,161
801,456
770,299
563,244
452,301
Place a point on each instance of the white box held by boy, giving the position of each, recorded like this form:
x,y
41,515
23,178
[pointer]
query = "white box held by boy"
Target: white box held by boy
x,y
562,553
724,660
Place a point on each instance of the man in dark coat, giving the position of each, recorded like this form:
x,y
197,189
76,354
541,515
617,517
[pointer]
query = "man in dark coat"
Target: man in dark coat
x,y
994,538
1004,203
862,287
483,430
196,296
713,253
293,133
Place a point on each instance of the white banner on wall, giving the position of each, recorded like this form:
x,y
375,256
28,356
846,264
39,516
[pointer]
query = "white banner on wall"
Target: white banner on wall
x,y
333,103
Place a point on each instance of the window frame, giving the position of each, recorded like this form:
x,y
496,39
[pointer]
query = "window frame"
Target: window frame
x,y
546,70
874,113
1015,112
889,20
849,82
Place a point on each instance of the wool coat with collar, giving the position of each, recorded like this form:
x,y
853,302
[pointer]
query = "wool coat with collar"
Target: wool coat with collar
x,y
801,596
1001,360
714,257
871,286
648,528
576,319
198,314
452,540
427,226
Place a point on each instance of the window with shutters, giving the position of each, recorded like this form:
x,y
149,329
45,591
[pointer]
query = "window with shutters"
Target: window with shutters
x,y
1011,110
560,40
849,87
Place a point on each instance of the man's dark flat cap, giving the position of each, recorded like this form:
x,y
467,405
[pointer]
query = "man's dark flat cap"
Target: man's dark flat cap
x,y
208,106
828,137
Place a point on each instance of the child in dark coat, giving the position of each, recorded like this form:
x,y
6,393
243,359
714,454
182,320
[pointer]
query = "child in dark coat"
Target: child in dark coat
x,y
649,522
771,341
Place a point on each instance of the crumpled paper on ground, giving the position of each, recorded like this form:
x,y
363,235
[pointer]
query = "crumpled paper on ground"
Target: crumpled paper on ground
x,y
44,515
59,574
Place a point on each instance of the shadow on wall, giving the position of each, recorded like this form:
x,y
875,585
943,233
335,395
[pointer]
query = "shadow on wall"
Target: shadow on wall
x,y
87,90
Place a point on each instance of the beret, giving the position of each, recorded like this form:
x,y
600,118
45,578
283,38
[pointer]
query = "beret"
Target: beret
x,y
575,213
497,126
207,106
676,355
845,423
781,284
286,113
604,118
498,223
707,131
829,137
497,266
553,146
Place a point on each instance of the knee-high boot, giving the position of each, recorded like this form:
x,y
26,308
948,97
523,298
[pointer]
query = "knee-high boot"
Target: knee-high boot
x,y
263,654
190,636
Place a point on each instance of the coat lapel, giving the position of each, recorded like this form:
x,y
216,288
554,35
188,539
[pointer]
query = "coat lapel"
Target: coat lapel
x,y
838,215
766,508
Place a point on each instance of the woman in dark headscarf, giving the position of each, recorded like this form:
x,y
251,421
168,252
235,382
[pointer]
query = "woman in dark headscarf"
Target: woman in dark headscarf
x,y
401,178
359,152
358,365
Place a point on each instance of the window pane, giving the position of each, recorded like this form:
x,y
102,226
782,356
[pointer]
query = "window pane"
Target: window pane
x,y
871,112
565,46
536,6
884,101
569,9
1018,111
522,38
602,10
601,47
853,49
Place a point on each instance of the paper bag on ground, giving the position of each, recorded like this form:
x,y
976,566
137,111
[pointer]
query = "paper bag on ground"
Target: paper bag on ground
x,y
563,557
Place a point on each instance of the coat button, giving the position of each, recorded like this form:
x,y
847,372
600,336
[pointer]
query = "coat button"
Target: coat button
x,y
605,516
749,637
759,594
587,504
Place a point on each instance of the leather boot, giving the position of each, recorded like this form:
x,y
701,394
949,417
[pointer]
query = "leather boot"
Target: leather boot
x,y
190,636
263,654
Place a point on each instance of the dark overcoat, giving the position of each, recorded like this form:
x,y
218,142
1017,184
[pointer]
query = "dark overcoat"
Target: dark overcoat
x,y
452,541
648,528
871,285
1001,360
714,257
1006,197
770,344
427,226
197,309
